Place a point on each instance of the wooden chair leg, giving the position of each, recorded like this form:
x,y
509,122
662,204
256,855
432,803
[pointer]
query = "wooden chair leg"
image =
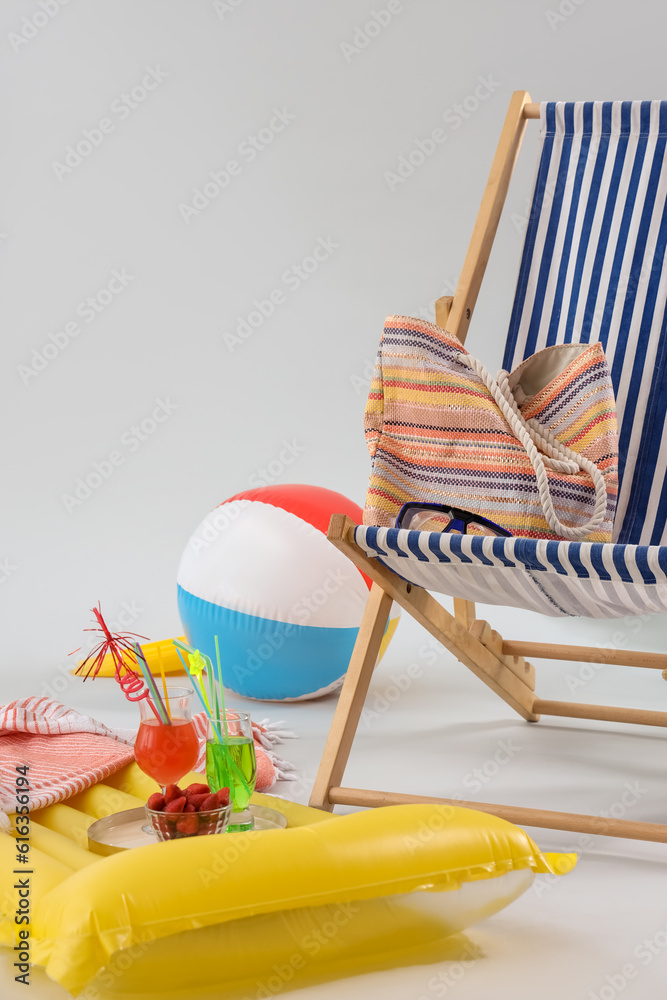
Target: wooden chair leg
x,y
464,611
352,697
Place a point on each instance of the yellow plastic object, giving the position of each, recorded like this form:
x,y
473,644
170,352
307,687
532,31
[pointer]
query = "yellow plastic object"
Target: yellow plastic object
x,y
59,847
45,872
388,635
390,884
62,818
162,655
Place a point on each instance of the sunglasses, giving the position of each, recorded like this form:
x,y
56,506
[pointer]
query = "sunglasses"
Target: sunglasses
x,y
442,517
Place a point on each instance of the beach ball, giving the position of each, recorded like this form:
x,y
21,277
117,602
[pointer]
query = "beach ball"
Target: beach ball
x,y
284,603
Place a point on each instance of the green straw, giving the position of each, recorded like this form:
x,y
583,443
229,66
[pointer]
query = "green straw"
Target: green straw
x,y
215,690
200,691
222,693
196,656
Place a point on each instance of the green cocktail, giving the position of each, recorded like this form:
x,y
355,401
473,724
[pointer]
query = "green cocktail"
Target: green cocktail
x,y
231,763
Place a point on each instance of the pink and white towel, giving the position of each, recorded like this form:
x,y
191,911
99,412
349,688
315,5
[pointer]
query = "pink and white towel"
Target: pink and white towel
x,y
67,752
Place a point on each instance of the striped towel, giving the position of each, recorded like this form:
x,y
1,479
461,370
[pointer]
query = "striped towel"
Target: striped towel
x,y
86,751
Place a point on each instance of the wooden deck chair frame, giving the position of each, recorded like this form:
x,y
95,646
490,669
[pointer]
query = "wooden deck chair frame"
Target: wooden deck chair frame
x,y
498,662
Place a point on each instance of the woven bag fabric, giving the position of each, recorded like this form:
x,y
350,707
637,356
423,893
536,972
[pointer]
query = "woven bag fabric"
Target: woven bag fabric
x,y
437,435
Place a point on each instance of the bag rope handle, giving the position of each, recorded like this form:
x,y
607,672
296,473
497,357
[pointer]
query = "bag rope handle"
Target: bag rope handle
x,y
557,456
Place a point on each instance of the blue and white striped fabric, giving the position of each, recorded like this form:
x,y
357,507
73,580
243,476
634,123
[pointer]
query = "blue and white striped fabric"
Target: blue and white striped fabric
x,y
560,579
593,268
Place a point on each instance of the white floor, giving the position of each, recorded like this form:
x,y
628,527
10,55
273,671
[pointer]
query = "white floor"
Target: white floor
x,y
594,934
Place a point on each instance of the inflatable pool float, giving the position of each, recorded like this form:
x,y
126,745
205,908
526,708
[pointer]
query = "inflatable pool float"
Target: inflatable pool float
x,y
247,914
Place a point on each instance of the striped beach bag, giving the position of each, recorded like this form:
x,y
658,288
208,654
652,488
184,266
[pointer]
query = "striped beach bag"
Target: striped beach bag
x,y
536,450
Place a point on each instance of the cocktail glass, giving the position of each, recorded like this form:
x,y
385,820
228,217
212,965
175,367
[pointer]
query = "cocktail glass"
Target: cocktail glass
x,y
166,753
231,763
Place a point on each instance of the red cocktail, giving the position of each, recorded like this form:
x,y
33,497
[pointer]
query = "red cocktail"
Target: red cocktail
x,y
163,752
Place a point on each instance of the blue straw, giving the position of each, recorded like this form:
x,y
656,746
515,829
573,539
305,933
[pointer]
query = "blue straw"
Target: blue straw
x,y
152,686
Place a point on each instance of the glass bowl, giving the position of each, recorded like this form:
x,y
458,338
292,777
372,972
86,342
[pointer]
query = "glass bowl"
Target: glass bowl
x,y
175,826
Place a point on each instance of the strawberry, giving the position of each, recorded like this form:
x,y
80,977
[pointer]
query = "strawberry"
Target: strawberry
x,y
172,792
188,825
156,802
189,808
210,802
223,797
196,800
196,788
176,805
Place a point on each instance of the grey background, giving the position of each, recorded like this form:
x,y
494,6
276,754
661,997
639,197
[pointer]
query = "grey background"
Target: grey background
x,y
302,375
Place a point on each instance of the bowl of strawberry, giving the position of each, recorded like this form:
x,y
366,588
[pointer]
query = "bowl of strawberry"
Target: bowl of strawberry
x,y
191,812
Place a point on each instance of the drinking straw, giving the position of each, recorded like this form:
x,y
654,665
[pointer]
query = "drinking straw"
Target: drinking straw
x,y
222,693
196,668
230,763
200,691
198,662
164,687
150,681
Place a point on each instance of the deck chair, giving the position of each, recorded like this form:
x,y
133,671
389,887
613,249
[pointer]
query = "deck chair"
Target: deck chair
x,y
592,268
